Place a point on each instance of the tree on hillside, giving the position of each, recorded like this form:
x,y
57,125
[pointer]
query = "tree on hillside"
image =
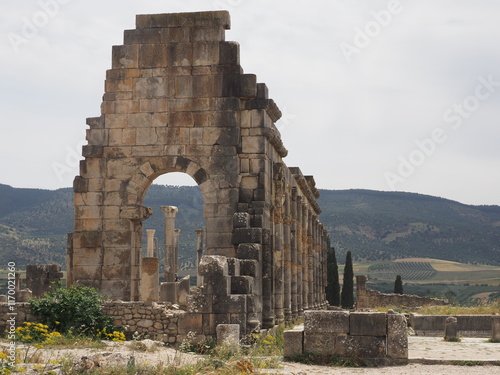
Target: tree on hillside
x,y
398,285
333,286
347,295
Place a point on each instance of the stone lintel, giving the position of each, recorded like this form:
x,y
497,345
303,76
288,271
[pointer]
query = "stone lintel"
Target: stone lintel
x,y
191,19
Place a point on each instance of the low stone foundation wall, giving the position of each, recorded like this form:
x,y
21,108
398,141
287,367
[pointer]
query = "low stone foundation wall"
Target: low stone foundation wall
x,y
376,299
151,320
369,336
467,325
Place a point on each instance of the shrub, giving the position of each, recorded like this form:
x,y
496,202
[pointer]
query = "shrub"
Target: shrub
x,y
74,310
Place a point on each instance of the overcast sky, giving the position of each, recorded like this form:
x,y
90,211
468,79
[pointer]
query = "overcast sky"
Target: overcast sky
x,y
383,95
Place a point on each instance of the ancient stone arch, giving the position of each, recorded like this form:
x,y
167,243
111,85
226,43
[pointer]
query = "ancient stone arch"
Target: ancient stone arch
x,y
176,99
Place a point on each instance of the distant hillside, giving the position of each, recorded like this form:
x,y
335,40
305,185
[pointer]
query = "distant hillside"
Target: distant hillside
x,y
373,225
384,225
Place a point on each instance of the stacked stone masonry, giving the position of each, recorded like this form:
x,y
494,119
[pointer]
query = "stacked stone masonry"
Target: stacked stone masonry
x,y
371,336
177,100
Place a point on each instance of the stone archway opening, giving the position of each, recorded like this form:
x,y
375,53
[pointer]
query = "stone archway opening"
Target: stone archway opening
x,y
177,100
175,236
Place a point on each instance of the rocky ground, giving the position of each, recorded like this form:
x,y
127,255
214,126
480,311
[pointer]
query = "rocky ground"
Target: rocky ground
x,y
428,355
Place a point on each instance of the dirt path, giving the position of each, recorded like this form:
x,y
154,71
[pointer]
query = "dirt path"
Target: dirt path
x,y
429,349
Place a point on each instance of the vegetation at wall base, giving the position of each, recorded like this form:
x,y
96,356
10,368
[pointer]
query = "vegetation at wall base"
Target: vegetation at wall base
x,y
347,294
74,310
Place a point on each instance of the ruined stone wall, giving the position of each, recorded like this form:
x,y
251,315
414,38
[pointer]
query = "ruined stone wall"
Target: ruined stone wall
x,y
373,337
376,299
150,320
177,100
367,298
467,325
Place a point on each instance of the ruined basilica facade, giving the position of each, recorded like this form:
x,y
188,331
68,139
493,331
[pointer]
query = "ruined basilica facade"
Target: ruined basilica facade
x,y
177,100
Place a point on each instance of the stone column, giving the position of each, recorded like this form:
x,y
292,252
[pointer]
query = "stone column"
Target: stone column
x,y
300,307
310,260
293,252
199,254
287,260
176,252
151,243
155,247
361,301
279,285
170,262
305,258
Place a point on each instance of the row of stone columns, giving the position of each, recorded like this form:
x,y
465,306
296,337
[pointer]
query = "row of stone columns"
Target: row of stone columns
x,y
150,287
300,242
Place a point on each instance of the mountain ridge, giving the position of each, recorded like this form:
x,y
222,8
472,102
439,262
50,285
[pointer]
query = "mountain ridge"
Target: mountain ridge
x,y
374,225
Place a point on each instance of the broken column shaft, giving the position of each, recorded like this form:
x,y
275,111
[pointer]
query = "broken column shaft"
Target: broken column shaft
x,y
151,243
199,254
170,261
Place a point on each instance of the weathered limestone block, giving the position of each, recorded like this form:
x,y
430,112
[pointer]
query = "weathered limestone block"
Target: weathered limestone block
x,y
233,265
293,342
397,336
450,328
247,235
228,334
169,291
190,322
242,285
366,347
495,327
232,304
241,220
249,251
321,343
213,265
248,267
324,321
368,324
201,304
183,291
216,285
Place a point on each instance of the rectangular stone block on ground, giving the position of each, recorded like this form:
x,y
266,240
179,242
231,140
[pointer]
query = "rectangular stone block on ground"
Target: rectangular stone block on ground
x,y
293,342
324,321
368,324
397,336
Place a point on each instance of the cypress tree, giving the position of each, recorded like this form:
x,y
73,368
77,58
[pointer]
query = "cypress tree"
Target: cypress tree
x,y
347,295
333,286
398,285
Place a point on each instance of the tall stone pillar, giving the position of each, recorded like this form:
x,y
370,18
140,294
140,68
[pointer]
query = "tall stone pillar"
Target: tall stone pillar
x,y
361,298
300,306
310,260
177,233
287,290
199,253
293,252
305,257
151,243
170,261
279,272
